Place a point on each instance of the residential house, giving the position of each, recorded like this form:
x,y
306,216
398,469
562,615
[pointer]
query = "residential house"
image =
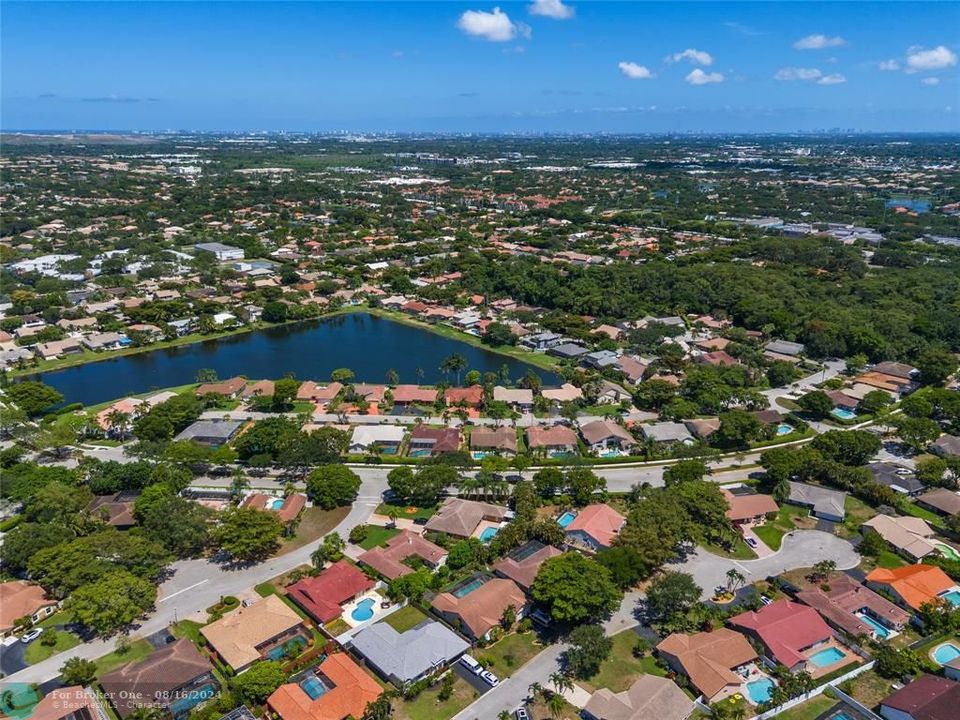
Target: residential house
x,y
481,609
426,440
523,563
461,518
250,633
594,527
369,393
941,501
909,536
927,698
116,510
567,351
56,348
163,680
823,502
542,341
104,341
553,440
19,599
501,440
210,432
896,477
702,428
220,251
287,509
783,350
471,396
406,395
520,399
854,608
227,388
606,435
563,394
649,698
946,446
748,508
404,658
612,394
667,433
262,388
322,596
377,438
312,392
599,359
337,689
912,586
790,633
69,703
389,560
712,661
631,368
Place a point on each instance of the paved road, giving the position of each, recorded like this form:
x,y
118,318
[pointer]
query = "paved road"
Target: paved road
x,y
831,369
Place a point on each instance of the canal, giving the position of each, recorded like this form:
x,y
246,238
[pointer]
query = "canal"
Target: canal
x,y
367,344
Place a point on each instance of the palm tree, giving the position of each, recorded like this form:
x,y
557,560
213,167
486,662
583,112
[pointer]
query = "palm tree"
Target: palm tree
x,y
536,691
238,485
504,715
561,681
734,579
556,705
117,422
454,363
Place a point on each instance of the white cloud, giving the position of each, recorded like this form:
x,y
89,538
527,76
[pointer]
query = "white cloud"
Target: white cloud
x,y
634,71
696,57
552,9
818,42
889,65
699,77
494,26
931,81
789,74
832,79
937,58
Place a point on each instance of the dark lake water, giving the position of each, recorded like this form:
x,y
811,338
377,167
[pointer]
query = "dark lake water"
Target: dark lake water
x,y
368,345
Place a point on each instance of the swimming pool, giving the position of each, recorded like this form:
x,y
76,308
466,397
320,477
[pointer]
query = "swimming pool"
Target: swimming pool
x,y
947,551
565,519
276,504
881,630
467,588
843,414
952,597
760,690
192,699
826,657
313,686
487,534
363,610
945,653
784,429
295,645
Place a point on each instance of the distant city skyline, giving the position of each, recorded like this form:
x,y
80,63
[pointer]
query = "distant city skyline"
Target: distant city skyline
x,y
451,67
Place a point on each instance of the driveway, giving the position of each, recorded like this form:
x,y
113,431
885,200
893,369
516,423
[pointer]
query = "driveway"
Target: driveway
x,y
11,657
800,548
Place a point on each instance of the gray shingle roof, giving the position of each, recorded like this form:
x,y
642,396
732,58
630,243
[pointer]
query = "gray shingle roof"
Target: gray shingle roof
x,y
407,656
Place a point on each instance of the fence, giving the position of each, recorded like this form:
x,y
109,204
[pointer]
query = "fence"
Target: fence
x,y
815,692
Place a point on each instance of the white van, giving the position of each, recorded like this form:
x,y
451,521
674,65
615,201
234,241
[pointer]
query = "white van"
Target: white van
x,y
475,667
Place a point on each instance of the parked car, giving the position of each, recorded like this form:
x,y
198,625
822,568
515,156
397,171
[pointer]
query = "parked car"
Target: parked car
x,y
471,664
491,679
31,635
751,542
521,714
764,600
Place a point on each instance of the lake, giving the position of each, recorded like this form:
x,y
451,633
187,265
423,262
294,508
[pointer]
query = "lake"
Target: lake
x,y
367,344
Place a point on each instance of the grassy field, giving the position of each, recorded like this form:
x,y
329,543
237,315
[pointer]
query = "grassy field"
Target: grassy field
x,y
512,652
789,518
314,523
868,688
809,710
138,650
378,536
428,706
408,512
38,652
405,618
856,512
619,671
188,629
740,550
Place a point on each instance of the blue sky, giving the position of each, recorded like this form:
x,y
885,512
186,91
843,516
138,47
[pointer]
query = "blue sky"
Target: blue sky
x,y
543,65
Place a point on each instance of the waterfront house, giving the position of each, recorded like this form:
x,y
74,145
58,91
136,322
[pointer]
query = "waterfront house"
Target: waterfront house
x,y
791,634
605,436
913,586
169,679
20,599
471,396
312,392
406,395
415,654
462,518
323,596
714,662
426,440
520,399
564,393
479,605
501,440
210,432
229,389
254,632
337,689
389,560
523,563
649,698
594,527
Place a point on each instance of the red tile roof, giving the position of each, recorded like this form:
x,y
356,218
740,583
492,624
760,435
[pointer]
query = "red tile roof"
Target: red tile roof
x,y
785,628
353,689
601,522
321,596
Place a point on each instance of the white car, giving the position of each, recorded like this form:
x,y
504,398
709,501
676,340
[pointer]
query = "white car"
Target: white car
x,y
31,635
471,664
491,679
751,542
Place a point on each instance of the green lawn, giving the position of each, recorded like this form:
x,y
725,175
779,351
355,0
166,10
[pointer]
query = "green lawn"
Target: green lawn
x,y
139,650
809,710
264,589
405,618
314,524
428,706
512,652
377,536
856,512
61,617
38,652
337,626
619,671
868,688
188,629
740,550
772,531
407,511
924,514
